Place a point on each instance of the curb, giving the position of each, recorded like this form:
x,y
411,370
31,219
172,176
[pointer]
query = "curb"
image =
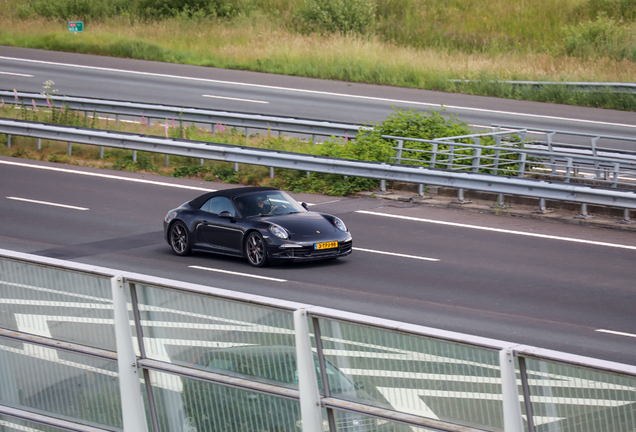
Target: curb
x,y
514,206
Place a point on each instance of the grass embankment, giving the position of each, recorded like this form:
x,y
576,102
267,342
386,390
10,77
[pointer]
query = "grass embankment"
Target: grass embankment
x,y
410,43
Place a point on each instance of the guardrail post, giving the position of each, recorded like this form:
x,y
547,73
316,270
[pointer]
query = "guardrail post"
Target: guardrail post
x,y
583,214
70,148
542,208
117,119
383,185
167,160
8,141
133,412
460,197
271,172
593,141
101,152
134,155
39,144
236,166
568,170
310,409
617,167
549,141
626,219
513,422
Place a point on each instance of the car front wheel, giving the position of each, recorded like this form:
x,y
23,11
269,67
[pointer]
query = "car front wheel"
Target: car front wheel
x,y
256,250
180,239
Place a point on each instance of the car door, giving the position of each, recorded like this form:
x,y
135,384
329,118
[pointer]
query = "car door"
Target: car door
x,y
220,233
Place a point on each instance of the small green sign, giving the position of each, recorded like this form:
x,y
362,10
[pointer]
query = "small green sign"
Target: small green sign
x,y
75,26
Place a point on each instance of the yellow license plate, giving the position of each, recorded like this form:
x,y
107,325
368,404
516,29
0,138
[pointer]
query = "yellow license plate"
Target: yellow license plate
x,y
327,245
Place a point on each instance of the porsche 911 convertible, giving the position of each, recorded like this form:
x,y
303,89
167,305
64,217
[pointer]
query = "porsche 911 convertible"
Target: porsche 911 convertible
x,y
265,225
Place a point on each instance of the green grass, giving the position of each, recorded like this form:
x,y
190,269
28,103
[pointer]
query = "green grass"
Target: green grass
x,y
408,43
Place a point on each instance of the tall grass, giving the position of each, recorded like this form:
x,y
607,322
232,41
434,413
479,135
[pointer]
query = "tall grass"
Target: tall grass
x,y
412,43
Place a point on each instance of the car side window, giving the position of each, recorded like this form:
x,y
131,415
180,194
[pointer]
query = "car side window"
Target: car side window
x,y
217,205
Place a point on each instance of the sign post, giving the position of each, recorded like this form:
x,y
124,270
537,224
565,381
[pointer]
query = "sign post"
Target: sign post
x,y
75,26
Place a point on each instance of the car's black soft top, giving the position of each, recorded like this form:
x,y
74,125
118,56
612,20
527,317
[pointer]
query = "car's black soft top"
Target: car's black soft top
x,y
228,193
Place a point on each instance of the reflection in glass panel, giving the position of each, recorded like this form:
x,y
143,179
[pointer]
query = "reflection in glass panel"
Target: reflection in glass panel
x,y
12,424
190,405
348,422
55,382
414,375
567,398
59,304
218,335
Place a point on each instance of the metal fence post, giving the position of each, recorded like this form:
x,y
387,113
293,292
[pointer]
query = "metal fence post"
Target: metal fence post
x,y
460,197
583,214
513,422
8,141
542,208
271,172
310,409
70,148
134,155
39,143
133,412
522,165
398,156
476,159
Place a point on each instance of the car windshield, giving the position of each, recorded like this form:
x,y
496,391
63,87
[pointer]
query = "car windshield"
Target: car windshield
x,y
267,203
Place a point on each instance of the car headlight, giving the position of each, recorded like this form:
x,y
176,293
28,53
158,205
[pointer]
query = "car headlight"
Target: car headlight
x,y
278,231
339,224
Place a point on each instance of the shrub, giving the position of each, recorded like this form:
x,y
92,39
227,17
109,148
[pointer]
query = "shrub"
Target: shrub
x,y
337,16
604,37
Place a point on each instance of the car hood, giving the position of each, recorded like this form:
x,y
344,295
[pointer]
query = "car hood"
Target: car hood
x,y
303,224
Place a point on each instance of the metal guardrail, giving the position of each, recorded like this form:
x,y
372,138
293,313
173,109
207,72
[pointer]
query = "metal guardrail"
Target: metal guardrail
x,y
432,379
310,163
155,112
585,87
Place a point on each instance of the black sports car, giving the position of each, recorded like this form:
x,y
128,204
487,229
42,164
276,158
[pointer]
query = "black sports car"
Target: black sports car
x,y
260,223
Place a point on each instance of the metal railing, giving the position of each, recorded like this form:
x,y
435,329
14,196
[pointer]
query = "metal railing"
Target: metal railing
x,y
584,87
163,113
86,348
510,152
541,189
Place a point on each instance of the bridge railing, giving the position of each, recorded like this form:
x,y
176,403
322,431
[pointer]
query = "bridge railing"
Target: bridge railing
x,y
84,348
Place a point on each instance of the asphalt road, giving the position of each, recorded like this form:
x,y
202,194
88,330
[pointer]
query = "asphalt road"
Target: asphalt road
x,y
543,284
241,91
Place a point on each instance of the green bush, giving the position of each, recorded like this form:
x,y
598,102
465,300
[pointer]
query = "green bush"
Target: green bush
x,y
192,8
144,163
604,37
337,16
77,9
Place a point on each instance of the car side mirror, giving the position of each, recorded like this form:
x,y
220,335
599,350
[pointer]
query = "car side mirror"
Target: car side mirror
x,y
226,214
304,204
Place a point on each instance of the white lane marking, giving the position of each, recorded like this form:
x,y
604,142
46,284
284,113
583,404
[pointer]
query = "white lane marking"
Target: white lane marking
x,y
109,176
616,333
236,99
318,92
239,274
16,74
395,254
545,236
47,203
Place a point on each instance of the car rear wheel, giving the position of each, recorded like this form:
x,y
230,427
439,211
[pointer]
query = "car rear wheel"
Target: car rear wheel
x,y
256,250
180,239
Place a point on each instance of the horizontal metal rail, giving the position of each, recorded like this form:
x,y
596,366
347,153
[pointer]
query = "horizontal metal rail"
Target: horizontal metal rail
x,y
187,114
46,421
583,87
303,162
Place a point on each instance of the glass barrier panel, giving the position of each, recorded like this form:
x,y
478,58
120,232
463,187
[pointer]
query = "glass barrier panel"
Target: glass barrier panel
x,y
218,335
414,375
67,385
59,304
568,398
189,405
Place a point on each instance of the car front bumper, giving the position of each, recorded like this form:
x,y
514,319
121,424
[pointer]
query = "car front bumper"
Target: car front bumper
x,y
306,251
